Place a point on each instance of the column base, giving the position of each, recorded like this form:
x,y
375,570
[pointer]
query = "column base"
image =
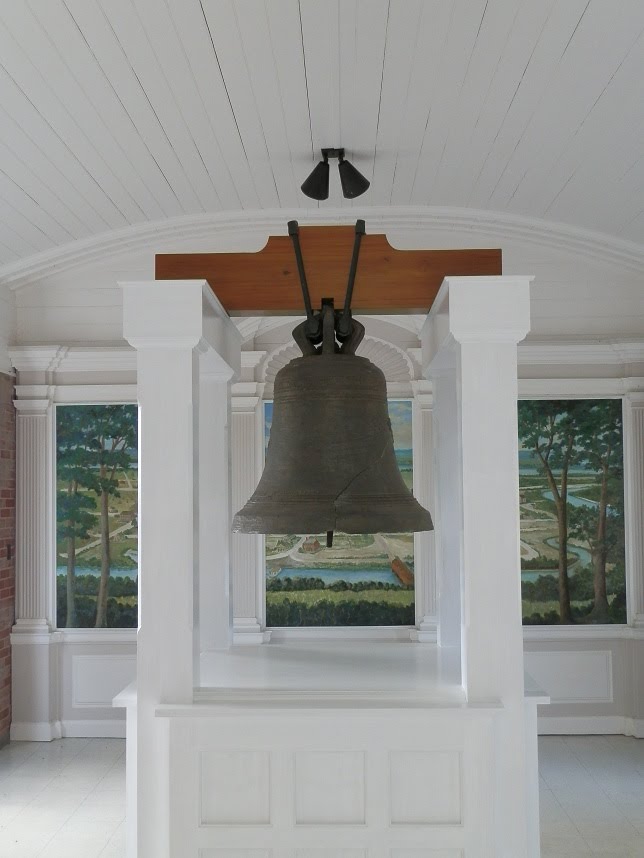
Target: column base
x,y
426,631
34,682
247,631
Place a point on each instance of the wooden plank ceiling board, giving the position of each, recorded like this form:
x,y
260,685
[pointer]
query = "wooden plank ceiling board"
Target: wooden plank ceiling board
x,y
116,114
387,280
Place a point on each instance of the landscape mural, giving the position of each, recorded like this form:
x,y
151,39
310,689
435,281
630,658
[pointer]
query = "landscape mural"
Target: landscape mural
x,y
571,480
363,580
96,516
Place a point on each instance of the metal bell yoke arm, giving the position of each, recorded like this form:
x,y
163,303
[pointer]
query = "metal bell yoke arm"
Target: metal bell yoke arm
x,y
343,325
313,321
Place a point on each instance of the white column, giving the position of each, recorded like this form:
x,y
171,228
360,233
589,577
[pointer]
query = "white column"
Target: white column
x,y
215,579
177,328
448,509
34,465
634,498
247,548
34,700
424,547
634,515
471,340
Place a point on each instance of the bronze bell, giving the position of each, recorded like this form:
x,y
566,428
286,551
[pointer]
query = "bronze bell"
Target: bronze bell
x,y
330,462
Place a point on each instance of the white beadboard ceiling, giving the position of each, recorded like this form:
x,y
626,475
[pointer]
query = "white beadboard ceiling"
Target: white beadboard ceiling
x,y
125,112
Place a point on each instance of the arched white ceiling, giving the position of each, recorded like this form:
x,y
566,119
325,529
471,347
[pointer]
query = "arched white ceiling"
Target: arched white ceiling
x,y
118,116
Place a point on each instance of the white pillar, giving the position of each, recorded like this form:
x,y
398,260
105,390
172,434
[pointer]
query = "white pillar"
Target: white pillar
x,y
35,713
247,548
634,498
634,515
215,579
424,548
448,510
177,328
470,344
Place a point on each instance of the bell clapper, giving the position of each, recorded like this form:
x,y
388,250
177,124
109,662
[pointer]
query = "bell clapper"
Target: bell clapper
x,y
329,539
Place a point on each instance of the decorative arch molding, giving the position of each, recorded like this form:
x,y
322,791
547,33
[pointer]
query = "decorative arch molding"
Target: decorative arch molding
x,y
223,230
396,365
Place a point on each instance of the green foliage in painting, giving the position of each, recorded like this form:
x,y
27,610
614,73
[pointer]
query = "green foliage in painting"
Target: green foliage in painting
x,y
96,512
572,511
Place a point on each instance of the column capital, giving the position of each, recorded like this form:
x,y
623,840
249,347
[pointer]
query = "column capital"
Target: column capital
x,y
476,310
423,394
180,314
33,400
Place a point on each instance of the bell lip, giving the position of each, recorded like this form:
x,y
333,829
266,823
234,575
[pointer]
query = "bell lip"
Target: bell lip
x,y
267,521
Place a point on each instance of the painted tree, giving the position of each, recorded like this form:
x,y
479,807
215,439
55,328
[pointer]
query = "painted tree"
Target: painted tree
x,y
74,509
600,444
548,428
112,433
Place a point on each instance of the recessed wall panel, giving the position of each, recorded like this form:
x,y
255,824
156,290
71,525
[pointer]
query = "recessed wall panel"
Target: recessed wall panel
x,y
329,788
235,788
425,787
573,677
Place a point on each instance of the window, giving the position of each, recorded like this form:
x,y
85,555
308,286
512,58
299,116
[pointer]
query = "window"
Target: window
x,y
364,580
571,479
96,516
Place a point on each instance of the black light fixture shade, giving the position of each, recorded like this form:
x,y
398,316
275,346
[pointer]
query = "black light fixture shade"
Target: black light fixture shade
x,y
353,182
316,186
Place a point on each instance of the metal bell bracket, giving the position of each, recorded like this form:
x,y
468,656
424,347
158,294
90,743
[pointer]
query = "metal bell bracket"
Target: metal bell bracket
x,y
336,330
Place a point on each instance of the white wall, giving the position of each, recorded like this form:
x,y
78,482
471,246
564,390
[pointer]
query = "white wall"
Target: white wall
x,y
588,317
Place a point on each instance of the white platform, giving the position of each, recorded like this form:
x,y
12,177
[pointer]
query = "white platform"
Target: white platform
x,y
379,670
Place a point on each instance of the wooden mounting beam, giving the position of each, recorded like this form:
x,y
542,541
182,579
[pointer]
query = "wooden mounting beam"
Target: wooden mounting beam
x,y
267,283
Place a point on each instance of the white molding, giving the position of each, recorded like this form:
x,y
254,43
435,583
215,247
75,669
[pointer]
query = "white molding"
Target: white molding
x,y
103,359
84,394
593,352
589,725
571,388
97,636
35,731
565,634
481,225
346,633
380,352
249,360
107,728
36,358
245,637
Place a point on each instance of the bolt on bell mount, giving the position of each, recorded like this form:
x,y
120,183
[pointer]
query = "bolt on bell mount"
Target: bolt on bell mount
x,y
330,462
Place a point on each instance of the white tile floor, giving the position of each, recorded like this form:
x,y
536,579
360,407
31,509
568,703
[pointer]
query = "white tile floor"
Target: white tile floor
x,y
65,799
592,796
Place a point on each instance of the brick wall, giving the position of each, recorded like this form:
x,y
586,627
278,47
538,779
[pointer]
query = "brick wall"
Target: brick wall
x,y
7,545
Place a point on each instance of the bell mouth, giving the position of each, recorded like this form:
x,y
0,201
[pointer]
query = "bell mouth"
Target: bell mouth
x,y
319,515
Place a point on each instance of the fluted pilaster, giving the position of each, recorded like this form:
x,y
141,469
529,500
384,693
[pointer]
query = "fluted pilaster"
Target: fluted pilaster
x,y
634,471
247,562
424,551
34,513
